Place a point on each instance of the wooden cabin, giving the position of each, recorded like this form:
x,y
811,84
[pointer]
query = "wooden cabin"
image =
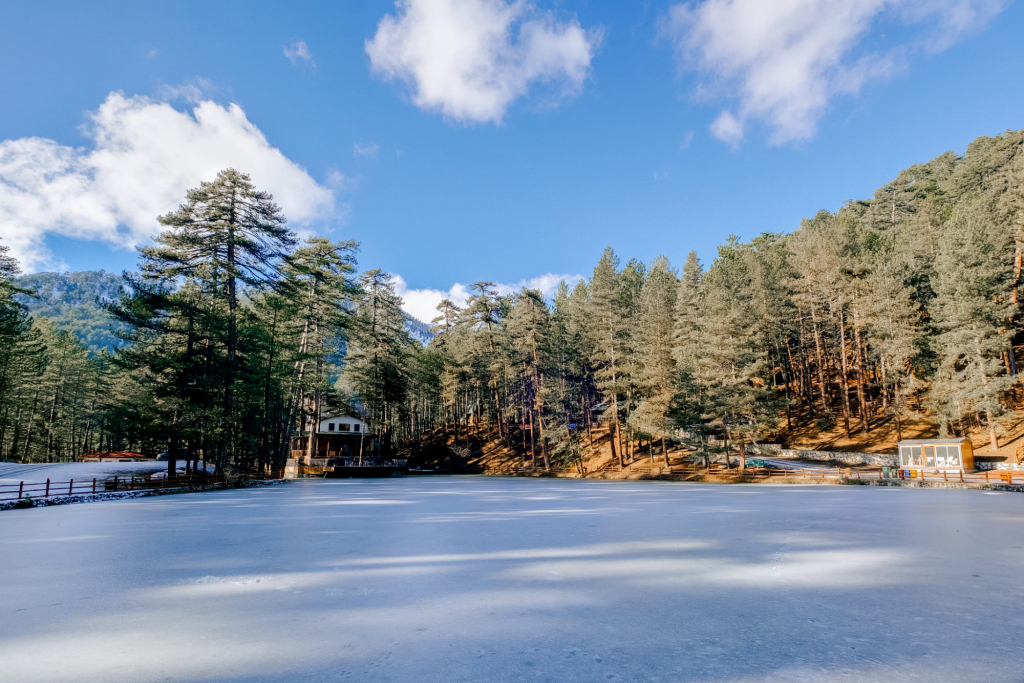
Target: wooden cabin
x,y
937,454
343,446
336,436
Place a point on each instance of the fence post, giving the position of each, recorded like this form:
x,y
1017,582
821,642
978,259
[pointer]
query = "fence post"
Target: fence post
x,y
986,476
71,486
115,482
21,489
94,484
961,476
47,487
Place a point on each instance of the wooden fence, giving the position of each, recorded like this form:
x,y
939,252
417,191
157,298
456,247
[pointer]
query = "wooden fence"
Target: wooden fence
x,y
804,474
51,489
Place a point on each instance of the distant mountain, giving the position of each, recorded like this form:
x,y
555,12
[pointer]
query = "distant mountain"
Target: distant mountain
x,y
74,302
419,331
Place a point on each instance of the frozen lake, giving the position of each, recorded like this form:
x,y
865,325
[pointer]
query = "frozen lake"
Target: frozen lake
x,y
483,579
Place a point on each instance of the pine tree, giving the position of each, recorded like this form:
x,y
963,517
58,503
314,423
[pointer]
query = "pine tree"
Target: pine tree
x,y
631,282
481,315
971,308
739,401
893,321
606,333
375,362
227,232
320,285
529,328
690,406
655,345
819,257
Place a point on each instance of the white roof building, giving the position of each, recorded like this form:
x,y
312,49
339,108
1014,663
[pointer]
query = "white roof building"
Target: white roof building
x,y
342,424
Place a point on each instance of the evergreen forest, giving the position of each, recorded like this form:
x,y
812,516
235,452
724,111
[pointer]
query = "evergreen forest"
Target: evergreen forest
x,y
234,336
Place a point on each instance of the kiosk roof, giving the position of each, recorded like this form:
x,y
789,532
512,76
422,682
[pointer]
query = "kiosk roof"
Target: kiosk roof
x,y
916,442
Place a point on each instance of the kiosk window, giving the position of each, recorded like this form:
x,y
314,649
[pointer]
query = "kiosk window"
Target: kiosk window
x,y
929,455
910,456
948,456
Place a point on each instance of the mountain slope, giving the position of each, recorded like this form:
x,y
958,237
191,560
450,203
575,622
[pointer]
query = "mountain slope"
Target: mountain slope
x,y
74,301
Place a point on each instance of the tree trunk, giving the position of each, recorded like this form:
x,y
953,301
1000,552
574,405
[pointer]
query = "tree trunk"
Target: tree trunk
x,y
533,443
860,370
31,422
728,441
821,364
617,439
844,386
992,431
984,381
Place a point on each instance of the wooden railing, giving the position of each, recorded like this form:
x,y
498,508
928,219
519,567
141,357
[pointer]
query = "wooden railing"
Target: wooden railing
x,y
807,474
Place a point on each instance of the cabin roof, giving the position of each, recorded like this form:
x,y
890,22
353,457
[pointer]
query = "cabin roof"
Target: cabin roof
x,y
917,442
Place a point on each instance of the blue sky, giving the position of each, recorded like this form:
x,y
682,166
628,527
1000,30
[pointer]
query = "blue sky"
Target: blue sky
x,y
462,140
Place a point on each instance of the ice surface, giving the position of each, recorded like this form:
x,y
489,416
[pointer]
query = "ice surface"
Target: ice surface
x,y
445,579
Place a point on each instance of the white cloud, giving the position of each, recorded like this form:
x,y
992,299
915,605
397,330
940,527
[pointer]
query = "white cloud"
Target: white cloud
x,y
422,303
782,61
192,91
952,18
687,139
299,55
337,180
546,284
143,155
365,149
727,128
470,59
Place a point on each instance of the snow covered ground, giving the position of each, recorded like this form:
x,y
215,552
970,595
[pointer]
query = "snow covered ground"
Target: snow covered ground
x,y
793,464
12,473
467,579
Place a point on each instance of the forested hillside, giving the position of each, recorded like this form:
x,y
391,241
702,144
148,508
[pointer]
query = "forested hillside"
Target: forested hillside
x,y
902,307
74,302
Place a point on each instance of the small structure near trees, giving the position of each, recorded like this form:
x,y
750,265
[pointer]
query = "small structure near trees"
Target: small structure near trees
x,y
335,436
114,456
937,454
341,446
